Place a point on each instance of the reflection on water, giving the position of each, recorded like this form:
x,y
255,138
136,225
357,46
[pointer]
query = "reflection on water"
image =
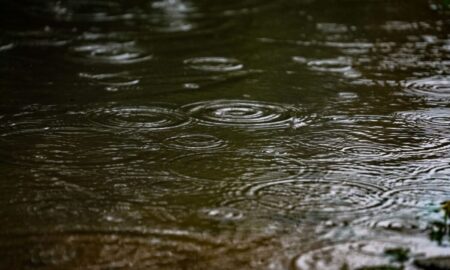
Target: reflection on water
x,y
251,134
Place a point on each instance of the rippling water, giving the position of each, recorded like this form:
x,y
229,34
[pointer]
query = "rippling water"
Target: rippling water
x,y
251,134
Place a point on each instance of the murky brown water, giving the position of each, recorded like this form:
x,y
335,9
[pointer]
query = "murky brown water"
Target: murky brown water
x,y
250,134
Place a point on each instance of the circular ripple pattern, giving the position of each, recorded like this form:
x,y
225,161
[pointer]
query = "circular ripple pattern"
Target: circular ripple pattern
x,y
111,81
432,87
367,151
331,65
77,11
234,7
145,118
244,114
294,196
69,146
431,118
195,142
343,145
235,166
159,250
110,53
419,196
141,249
214,64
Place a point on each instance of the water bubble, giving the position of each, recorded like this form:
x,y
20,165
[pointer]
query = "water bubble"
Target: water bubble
x,y
245,114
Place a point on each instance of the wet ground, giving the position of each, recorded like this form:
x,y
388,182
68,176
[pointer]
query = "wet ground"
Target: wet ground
x,y
248,134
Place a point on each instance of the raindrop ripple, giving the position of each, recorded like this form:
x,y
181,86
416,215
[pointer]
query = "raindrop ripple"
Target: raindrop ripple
x,y
245,114
214,64
431,87
294,196
144,118
195,142
236,167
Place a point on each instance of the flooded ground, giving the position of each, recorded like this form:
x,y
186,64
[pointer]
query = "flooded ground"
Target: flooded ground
x,y
250,134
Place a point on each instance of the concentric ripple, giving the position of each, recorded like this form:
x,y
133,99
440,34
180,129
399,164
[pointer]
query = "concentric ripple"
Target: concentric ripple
x,y
69,146
77,11
214,64
112,81
144,118
235,166
161,249
245,114
320,197
110,53
367,151
339,64
342,146
435,87
419,196
139,249
430,118
233,7
195,142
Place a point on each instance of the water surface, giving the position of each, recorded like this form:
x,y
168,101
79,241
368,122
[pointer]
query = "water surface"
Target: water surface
x,y
251,134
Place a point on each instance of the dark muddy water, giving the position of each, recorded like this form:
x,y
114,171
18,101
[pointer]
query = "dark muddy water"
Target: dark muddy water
x,y
250,134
